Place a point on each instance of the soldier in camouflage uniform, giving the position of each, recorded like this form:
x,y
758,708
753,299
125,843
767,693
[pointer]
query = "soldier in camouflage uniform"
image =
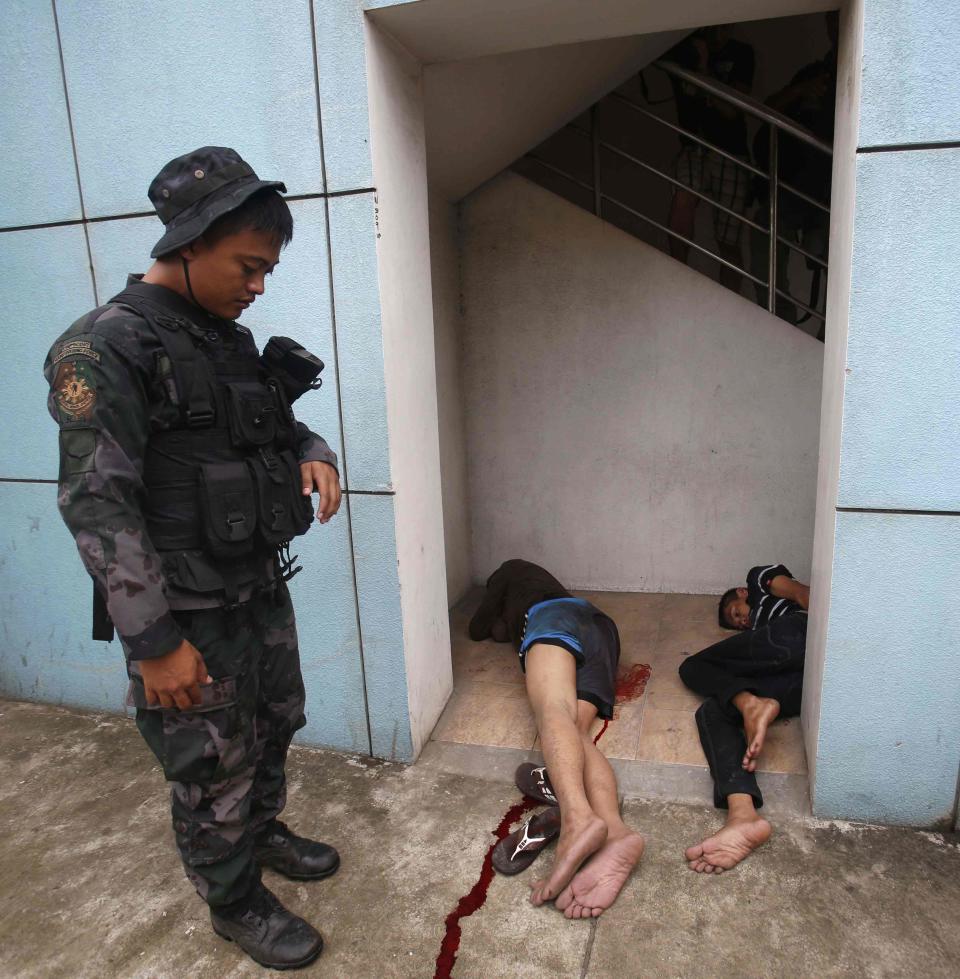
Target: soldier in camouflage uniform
x,y
183,476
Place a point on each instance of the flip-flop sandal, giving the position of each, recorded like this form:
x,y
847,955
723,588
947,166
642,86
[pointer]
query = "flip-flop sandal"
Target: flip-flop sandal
x,y
515,853
533,781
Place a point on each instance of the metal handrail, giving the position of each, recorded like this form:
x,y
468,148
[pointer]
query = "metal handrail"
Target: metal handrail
x,y
738,161
744,102
681,237
778,123
682,186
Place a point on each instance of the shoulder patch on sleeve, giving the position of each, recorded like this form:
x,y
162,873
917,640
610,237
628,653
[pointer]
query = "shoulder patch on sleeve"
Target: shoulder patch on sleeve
x,y
74,390
75,348
77,449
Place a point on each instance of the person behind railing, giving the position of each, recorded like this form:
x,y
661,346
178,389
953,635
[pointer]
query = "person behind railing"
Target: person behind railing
x,y
809,99
711,51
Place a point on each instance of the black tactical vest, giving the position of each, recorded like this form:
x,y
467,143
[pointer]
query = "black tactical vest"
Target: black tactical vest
x,y
226,479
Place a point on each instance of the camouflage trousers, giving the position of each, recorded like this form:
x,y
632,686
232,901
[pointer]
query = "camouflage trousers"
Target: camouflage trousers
x,y
225,759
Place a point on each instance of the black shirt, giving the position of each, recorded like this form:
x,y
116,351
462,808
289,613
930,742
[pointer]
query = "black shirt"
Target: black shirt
x,y
732,64
764,607
511,590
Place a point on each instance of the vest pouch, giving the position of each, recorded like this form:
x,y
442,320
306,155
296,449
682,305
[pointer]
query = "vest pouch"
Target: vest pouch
x,y
228,509
283,512
251,413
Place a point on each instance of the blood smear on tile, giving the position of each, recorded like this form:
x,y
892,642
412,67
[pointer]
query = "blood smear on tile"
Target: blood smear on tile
x,y
632,682
630,686
476,897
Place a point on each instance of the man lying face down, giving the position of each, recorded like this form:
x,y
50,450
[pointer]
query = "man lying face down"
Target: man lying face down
x,y
749,680
569,651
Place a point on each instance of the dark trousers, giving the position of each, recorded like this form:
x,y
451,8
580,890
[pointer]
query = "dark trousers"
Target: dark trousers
x,y
767,662
225,759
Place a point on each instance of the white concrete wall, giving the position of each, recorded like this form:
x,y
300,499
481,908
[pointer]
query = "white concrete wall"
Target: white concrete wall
x,y
835,358
445,273
406,306
630,424
483,113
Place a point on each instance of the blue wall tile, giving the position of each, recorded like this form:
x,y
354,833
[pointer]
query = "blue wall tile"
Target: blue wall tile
x,y
911,86
47,274
889,740
342,72
296,303
38,178
119,248
325,602
45,601
359,340
47,654
152,79
901,411
381,625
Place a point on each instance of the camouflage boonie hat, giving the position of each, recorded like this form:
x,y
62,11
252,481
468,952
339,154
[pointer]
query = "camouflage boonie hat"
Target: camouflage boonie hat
x,y
195,189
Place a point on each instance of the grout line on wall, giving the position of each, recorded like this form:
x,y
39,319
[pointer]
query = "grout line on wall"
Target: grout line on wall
x,y
902,147
14,479
336,371
150,214
73,146
355,492
915,513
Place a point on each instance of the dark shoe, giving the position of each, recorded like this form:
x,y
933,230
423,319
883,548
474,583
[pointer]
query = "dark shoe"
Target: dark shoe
x,y
521,848
533,781
293,856
269,933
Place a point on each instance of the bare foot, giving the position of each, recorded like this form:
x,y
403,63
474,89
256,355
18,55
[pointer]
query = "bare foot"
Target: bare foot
x,y
758,714
576,843
738,839
596,887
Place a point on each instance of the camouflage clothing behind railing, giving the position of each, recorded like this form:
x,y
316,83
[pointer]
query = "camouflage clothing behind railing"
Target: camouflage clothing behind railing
x,y
226,758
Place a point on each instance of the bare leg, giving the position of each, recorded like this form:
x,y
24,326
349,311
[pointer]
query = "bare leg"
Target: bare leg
x,y
597,885
758,714
744,830
552,689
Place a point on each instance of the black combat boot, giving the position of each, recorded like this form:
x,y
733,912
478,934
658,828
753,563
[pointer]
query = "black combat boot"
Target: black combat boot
x,y
269,933
293,856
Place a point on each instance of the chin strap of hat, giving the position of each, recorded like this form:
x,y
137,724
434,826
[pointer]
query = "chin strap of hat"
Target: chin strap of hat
x,y
186,277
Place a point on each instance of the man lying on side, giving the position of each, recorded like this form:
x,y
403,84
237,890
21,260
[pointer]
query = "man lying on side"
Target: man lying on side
x,y
749,680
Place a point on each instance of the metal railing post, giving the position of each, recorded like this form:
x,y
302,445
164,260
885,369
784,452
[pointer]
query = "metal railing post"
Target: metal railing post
x,y
595,137
774,189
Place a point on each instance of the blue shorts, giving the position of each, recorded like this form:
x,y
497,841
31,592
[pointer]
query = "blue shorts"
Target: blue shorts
x,y
589,635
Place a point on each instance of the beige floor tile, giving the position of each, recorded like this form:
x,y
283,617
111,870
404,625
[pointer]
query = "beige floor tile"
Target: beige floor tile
x,y
637,651
622,735
488,661
670,736
494,714
783,749
689,606
666,691
690,637
630,602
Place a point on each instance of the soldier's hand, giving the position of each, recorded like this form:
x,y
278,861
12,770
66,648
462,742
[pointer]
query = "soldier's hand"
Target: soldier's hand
x,y
174,680
326,480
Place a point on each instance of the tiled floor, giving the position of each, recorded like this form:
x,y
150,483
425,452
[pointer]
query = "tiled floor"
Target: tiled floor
x,y
489,705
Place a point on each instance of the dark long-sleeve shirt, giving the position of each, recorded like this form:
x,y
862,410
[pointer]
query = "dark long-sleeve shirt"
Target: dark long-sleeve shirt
x,y
111,388
764,606
513,588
